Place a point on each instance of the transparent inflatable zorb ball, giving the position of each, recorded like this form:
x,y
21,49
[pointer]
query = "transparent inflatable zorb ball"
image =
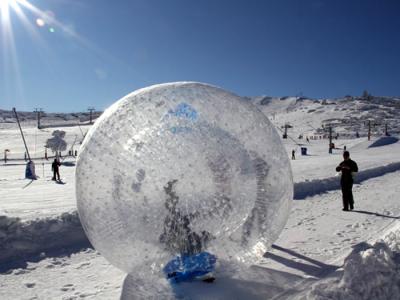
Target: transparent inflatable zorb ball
x,y
180,169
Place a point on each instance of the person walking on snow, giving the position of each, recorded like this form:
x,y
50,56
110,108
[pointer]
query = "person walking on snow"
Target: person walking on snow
x,y
55,166
347,167
293,155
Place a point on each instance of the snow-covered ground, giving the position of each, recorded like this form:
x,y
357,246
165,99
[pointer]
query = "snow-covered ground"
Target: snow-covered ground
x,y
321,254
312,247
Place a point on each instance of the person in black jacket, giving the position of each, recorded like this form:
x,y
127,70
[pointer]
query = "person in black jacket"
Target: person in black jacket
x,y
55,168
347,167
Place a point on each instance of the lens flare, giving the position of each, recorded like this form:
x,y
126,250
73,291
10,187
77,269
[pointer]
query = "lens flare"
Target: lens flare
x,y
40,22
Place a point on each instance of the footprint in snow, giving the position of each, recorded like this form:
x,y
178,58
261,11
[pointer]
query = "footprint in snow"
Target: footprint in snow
x,y
83,265
68,287
30,285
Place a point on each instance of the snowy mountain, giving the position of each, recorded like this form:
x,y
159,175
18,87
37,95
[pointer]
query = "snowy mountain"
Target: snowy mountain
x,y
347,116
7,116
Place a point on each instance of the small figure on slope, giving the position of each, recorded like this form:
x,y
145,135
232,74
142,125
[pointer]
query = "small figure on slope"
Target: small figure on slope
x,y
347,167
293,154
55,167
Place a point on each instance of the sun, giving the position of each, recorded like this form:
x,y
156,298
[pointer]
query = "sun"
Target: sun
x,y
5,4
5,10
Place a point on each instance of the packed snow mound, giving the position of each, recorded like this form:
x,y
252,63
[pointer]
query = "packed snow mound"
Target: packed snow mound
x,y
21,239
383,141
178,169
317,186
369,272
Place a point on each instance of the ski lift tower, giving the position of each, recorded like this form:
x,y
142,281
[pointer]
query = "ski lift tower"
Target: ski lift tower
x,y
371,122
91,110
38,112
328,126
386,129
286,127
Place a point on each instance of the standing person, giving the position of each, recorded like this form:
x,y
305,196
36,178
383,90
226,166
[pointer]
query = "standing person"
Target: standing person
x,y
347,167
55,166
293,156
5,155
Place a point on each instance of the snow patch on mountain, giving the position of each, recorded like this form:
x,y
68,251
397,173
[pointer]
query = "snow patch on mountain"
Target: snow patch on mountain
x,y
348,116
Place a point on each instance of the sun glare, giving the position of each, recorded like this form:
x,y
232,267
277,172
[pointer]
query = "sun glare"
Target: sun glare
x,y
5,11
5,4
37,23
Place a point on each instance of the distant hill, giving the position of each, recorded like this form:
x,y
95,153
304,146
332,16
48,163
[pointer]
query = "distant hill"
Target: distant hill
x,y
7,116
347,116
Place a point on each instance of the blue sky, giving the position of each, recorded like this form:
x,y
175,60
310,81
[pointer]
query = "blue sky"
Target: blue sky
x,y
101,50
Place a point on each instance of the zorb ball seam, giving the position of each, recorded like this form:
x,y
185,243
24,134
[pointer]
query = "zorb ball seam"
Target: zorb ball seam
x,y
181,169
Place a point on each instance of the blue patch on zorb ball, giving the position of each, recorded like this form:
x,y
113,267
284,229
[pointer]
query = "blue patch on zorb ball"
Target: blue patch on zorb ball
x,y
180,129
185,115
184,110
190,267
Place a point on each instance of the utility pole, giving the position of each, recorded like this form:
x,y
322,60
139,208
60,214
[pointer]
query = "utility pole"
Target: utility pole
x,y
369,130
38,112
91,109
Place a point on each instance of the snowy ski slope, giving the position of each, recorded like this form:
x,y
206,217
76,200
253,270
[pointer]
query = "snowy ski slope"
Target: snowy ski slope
x,y
310,260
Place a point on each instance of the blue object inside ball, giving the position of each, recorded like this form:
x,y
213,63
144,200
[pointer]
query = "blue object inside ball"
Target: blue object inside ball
x,y
190,267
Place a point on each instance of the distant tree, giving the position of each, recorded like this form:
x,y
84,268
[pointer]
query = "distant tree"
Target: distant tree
x,y
57,143
366,95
